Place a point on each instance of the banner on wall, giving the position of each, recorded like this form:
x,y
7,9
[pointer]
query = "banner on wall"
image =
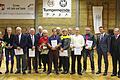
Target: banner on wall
x,y
97,17
17,9
57,8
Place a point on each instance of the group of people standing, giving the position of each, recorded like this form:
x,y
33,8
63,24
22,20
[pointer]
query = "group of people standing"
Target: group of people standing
x,y
64,44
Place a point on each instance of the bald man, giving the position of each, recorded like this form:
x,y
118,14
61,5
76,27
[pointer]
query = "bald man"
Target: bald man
x,y
20,43
115,51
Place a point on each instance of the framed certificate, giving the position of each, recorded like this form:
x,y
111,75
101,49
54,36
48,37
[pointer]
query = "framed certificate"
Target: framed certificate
x,y
64,53
31,53
19,52
77,51
54,43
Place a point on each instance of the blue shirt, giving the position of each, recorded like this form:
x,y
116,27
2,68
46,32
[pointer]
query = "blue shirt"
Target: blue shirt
x,y
54,37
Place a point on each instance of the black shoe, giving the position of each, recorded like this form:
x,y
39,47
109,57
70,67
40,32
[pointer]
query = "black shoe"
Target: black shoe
x,y
105,74
72,73
29,72
40,67
118,76
17,72
93,72
79,73
44,70
98,72
113,75
6,72
48,73
0,72
64,72
36,72
11,71
24,72
57,73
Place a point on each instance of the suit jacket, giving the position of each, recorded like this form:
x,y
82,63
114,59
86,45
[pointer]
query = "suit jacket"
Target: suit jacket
x,y
8,40
91,37
115,46
22,44
39,35
29,41
103,43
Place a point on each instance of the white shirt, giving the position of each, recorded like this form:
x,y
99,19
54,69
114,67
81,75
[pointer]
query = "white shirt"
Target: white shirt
x,y
78,41
19,37
33,39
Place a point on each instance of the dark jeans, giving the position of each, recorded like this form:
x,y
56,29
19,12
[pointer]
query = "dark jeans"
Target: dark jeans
x,y
19,58
79,65
11,53
53,57
105,56
90,54
65,63
39,59
60,62
44,60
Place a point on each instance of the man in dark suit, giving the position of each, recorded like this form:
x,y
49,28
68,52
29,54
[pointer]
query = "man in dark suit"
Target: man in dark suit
x,y
9,50
102,49
20,42
39,35
88,50
32,43
115,51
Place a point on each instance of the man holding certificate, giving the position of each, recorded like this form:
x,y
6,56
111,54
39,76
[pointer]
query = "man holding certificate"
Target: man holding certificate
x,y
88,50
54,42
64,51
20,43
32,43
77,45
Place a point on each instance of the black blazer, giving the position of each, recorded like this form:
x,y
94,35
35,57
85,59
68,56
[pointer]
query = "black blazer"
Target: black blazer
x,y
115,45
29,41
9,40
103,43
23,42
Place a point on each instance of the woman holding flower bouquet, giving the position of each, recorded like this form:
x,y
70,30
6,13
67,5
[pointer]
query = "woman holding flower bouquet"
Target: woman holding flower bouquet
x,y
2,45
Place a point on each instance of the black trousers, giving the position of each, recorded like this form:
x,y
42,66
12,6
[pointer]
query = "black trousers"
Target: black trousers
x,y
79,65
115,61
105,56
44,60
60,62
53,57
65,63
34,61
11,53
21,58
39,59
90,54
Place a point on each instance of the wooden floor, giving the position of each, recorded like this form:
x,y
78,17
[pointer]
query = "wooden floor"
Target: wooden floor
x,y
44,76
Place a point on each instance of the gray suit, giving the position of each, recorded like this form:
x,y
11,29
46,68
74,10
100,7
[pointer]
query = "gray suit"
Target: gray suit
x,y
102,49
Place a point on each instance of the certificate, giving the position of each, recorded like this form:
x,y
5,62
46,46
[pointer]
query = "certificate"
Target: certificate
x,y
88,44
19,52
54,43
77,51
64,53
31,53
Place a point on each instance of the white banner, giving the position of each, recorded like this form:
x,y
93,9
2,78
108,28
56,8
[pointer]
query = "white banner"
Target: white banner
x,y
17,9
57,8
97,18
